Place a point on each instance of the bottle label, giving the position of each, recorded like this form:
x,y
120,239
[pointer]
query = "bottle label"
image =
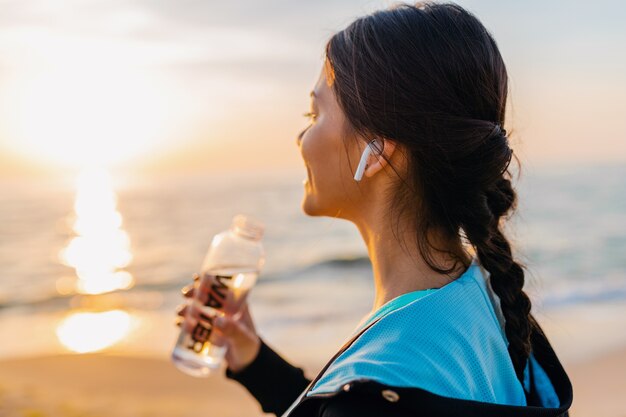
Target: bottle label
x,y
213,294
218,289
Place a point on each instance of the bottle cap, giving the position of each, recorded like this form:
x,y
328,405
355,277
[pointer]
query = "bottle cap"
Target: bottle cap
x,y
248,227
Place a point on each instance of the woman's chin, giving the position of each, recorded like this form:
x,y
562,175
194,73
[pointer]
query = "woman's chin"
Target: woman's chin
x,y
313,205
308,206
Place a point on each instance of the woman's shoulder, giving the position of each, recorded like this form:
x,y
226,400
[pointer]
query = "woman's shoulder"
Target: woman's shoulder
x,y
449,343
374,396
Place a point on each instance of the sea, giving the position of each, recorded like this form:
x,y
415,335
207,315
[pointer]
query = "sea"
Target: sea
x,y
97,264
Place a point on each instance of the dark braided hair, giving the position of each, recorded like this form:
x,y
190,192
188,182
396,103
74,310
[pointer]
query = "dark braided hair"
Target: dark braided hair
x,y
430,77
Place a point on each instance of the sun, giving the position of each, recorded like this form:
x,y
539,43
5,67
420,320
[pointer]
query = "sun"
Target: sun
x,y
83,115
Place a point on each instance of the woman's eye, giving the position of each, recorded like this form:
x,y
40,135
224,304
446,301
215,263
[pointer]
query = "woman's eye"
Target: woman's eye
x,y
310,115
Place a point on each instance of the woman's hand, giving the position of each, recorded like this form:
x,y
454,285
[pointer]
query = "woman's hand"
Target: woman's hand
x,y
242,342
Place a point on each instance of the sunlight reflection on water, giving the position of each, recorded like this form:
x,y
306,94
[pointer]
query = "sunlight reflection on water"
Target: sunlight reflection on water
x,y
98,252
90,332
101,248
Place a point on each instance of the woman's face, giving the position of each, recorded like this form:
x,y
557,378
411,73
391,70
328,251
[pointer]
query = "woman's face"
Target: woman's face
x,y
329,189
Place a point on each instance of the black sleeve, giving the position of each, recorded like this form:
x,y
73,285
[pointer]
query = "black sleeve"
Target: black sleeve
x,y
273,381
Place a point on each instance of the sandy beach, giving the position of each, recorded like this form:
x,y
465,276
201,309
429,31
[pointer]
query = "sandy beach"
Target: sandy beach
x,y
97,385
105,385
599,386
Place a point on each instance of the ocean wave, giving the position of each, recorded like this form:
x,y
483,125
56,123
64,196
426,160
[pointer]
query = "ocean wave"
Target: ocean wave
x,y
311,271
315,269
558,294
576,294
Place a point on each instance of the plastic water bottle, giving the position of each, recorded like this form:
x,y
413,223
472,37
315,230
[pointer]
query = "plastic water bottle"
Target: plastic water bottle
x,y
230,269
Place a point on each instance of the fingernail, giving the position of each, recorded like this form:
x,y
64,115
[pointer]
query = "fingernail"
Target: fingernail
x,y
186,289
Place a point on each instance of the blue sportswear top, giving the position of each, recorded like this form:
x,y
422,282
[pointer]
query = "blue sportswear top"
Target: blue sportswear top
x,y
449,341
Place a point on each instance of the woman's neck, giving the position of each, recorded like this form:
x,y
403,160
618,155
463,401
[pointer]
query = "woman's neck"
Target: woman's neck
x,y
398,268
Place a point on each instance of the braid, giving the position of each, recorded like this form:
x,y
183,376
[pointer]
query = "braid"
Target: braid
x,y
506,275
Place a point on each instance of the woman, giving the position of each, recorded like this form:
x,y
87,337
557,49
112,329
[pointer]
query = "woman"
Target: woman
x,y
417,94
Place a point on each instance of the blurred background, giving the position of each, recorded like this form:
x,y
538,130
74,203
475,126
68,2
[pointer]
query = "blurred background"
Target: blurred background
x,y
131,132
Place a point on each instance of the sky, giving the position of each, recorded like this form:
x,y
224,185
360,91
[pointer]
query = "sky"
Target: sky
x,y
199,85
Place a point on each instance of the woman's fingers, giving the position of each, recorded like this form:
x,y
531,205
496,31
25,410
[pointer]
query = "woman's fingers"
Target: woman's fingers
x,y
193,315
238,329
188,290
185,323
181,310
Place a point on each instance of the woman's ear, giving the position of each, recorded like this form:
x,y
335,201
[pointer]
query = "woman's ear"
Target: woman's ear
x,y
379,161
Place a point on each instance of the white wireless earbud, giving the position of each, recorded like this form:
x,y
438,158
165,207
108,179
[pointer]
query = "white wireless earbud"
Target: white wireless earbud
x,y
360,169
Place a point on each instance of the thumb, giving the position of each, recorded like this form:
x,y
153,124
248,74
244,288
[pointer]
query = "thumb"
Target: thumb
x,y
232,329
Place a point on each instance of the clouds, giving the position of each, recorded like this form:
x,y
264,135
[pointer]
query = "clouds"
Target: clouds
x,y
164,32
219,63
